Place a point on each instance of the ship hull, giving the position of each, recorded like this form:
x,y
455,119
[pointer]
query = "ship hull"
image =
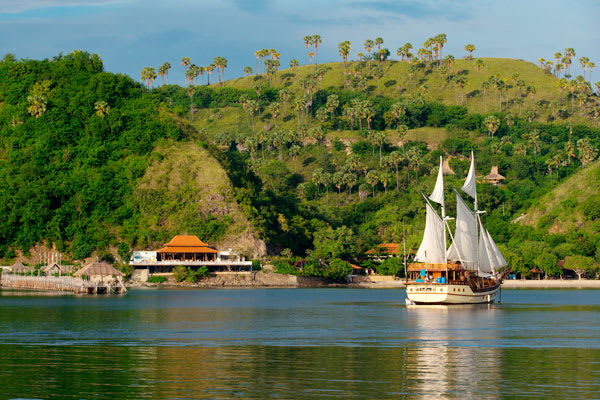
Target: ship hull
x,y
435,293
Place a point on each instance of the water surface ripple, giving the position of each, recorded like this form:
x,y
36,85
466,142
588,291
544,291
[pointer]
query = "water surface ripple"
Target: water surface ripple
x,y
297,343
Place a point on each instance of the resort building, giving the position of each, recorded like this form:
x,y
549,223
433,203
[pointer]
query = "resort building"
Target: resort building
x,y
383,251
186,248
188,251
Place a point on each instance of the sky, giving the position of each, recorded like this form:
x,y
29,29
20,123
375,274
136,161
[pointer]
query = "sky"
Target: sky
x,y
132,34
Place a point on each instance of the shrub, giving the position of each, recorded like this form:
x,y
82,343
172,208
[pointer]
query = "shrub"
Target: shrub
x,y
591,208
126,269
582,265
157,279
180,273
284,267
391,266
256,265
337,271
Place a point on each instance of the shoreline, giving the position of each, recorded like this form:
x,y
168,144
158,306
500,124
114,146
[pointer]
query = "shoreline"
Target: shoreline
x,y
551,284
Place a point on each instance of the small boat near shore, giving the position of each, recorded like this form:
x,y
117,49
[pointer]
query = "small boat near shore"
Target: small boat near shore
x,y
467,272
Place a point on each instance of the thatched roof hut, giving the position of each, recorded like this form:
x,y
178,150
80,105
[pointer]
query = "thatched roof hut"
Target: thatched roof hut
x,y
54,268
99,269
494,177
19,268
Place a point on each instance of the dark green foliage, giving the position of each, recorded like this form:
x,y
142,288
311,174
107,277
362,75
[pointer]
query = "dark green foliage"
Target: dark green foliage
x,y
68,175
157,279
335,243
391,266
591,208
337,270
180,273
190,274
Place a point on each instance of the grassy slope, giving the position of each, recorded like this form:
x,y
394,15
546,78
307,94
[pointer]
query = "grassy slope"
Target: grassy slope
x,y
190,184
562,202
396,77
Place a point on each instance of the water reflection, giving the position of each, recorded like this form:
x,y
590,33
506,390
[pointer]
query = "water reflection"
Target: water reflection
x,y
294,344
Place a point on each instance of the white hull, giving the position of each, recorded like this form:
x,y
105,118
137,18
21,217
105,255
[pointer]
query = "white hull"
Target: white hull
x,y
435,293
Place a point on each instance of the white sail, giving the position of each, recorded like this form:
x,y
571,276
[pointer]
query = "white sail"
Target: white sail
x,y
485,266
464,247
432,247
470,186
501,262
438,191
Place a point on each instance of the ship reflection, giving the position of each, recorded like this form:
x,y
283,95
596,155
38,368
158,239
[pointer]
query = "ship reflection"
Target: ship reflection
x,y
454,354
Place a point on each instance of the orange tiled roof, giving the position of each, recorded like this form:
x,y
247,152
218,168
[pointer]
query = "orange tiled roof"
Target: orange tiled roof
x,y
185,240
187,249
386,248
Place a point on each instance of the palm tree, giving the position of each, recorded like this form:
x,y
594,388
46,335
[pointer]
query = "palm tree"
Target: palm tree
x,y
478,65
294,64
533,138
190,75
591,66
492,124
440,40
378,42
209,70
163,71
274,109
191,90
369,46
470,48
360,56
102,108
148,75
185,62
247,70
587,151
395,158
316,41
378,74
221,64
257,55
332,104
344,50
311,55
37,105
338,180
372,179
308,40
460,82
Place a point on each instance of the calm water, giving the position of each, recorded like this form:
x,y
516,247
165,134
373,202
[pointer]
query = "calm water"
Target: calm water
x,y
298,343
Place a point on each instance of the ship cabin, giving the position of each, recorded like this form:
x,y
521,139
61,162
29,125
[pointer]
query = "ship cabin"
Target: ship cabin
x,y
451,273
186,248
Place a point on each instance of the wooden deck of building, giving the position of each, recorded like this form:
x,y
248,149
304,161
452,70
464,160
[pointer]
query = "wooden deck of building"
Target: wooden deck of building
x,y
60,284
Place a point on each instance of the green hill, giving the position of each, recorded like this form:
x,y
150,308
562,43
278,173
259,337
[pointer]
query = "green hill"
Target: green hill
x,y
573,205
93,162
401,80
90,163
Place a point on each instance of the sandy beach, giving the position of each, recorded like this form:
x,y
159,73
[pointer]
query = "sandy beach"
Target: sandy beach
x,y
552,283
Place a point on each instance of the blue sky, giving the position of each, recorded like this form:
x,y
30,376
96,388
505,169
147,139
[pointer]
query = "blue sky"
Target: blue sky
x,y
132,34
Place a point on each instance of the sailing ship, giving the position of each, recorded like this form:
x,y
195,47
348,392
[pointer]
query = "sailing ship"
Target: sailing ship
x,y
466,272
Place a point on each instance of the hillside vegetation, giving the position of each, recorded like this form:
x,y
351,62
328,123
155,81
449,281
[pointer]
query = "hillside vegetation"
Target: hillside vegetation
x,y
572,205
76,145
312,169
402,79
